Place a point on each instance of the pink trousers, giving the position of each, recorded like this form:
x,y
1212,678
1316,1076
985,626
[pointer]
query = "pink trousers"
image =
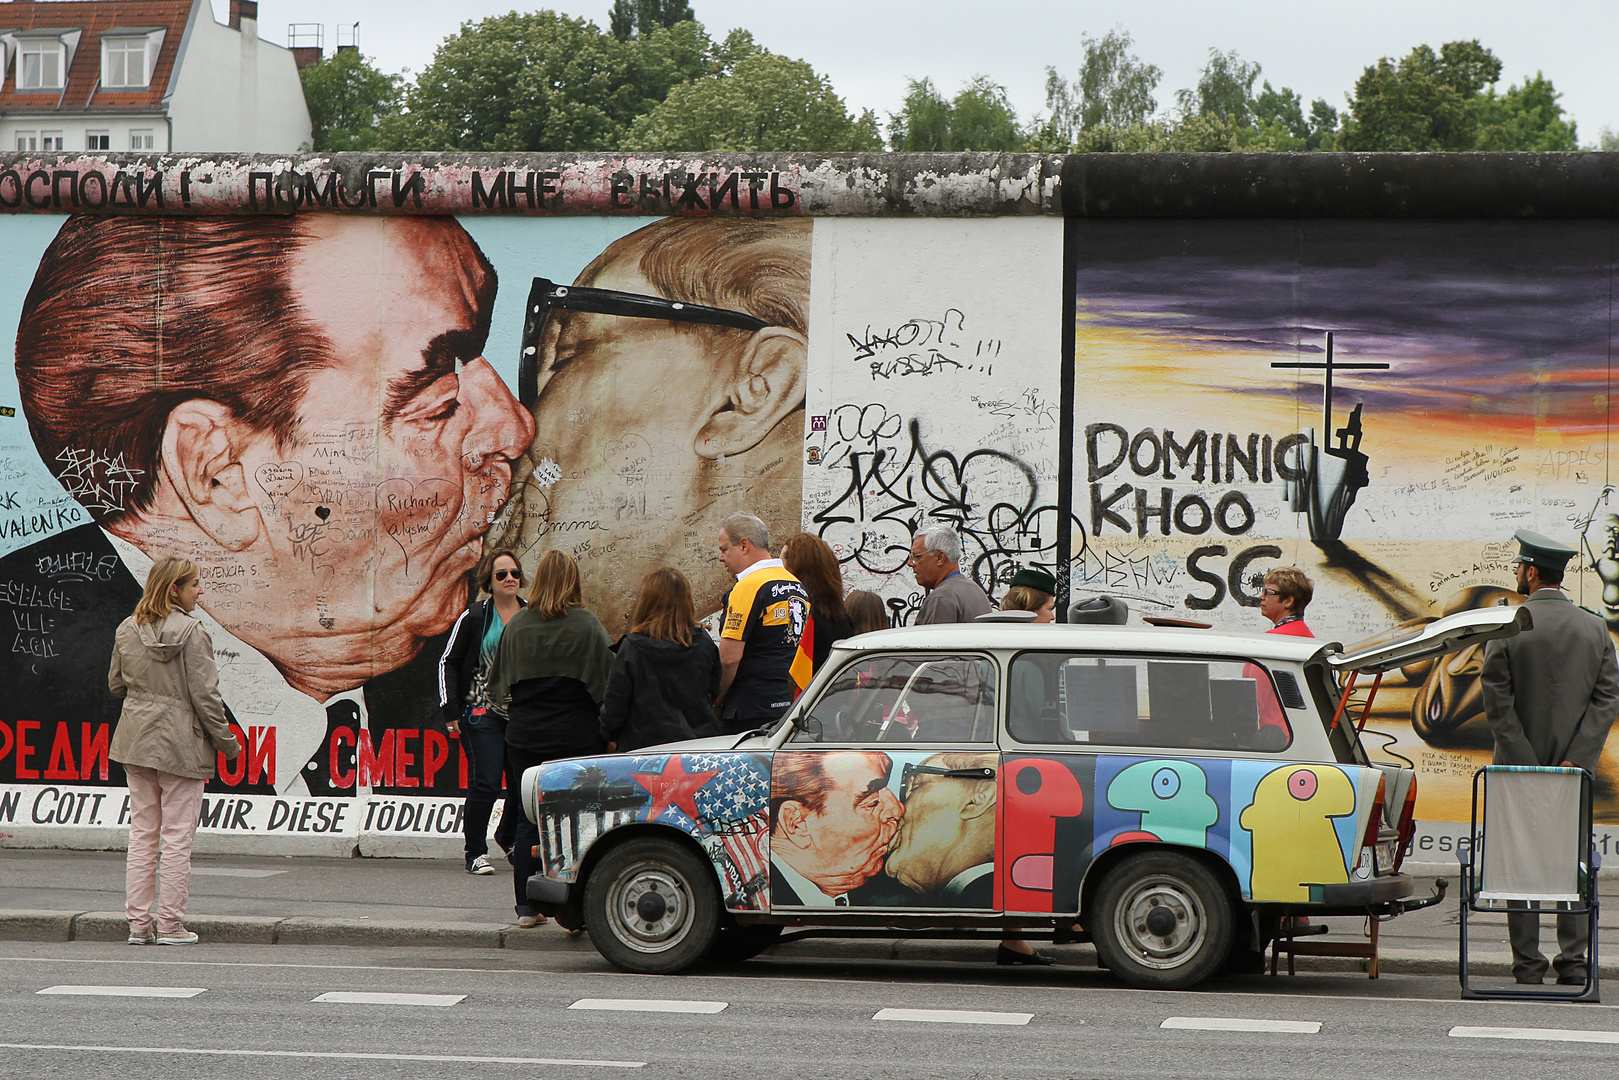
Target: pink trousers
x,y
162,807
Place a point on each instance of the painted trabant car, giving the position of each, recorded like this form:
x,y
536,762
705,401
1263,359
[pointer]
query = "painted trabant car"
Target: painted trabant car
x,y
1169,794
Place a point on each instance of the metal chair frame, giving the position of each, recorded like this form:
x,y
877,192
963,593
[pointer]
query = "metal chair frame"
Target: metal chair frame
x,y
1472,860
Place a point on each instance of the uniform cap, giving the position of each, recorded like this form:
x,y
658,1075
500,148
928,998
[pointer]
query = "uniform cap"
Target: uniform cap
x,y
1538,550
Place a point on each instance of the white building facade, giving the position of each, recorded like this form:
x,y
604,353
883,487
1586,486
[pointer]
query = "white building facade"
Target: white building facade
x,y
147,76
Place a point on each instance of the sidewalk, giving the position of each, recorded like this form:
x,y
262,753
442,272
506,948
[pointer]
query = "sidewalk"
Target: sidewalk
x,y
50,895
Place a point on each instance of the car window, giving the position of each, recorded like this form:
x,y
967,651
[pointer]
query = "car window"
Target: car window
x,y
904,699
1205,703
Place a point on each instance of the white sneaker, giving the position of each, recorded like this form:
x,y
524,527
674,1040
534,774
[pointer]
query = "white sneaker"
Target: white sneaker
x,y
481,866
180,937
529,922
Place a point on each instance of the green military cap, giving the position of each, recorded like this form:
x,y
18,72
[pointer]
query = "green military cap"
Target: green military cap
x,y
1035,579
1538,550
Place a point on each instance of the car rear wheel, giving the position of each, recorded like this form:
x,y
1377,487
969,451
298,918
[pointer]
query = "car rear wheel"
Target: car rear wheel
x,y
652,907
1162,921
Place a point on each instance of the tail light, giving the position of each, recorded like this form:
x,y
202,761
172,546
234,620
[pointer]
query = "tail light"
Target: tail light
x,y
1408,823
1375,825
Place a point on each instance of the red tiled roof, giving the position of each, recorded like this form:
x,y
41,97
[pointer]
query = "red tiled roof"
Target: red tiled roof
x,y
83,91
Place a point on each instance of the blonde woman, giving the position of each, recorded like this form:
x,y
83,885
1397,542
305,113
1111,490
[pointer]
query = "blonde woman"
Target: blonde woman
x,y
550,672
169,734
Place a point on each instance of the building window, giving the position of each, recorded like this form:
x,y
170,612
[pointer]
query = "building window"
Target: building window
x,y
27,140
40,65
50,140
141,139
123,62
97,140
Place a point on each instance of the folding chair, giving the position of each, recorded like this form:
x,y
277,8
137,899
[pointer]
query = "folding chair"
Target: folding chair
x,y
1532,852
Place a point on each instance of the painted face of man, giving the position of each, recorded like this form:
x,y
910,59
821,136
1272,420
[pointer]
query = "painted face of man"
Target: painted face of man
x,y
949,825
622,406
402,455
851,834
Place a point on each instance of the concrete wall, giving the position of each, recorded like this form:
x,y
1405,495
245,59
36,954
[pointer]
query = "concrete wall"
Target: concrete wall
x,y
947,344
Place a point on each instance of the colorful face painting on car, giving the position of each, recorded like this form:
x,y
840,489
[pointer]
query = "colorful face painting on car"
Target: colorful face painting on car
x,y
1280,827
721,800
883,829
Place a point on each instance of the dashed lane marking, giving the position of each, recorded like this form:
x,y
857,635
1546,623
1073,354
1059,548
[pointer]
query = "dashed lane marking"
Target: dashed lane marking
x,y
1536,1034
954,1016
343,997
326,1055
648,1005
1233,1023
232,871
126,991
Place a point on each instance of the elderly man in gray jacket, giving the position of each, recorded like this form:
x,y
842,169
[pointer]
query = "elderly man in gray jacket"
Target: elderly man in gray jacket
x,y
1550,694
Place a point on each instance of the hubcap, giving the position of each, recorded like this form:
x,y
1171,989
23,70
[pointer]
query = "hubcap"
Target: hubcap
x,y
1161,921
649,907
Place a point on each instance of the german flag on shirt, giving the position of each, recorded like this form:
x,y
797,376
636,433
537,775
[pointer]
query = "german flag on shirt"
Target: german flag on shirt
x,y
804,660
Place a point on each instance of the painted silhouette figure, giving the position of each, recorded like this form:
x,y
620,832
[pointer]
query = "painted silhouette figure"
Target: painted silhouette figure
x,y
1171,796
1294,842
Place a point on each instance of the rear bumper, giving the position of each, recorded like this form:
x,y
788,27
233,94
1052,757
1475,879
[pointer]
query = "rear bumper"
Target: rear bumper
x,y
1363,894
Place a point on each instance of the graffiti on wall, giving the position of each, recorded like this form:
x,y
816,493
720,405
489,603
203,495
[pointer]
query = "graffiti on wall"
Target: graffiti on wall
x,y
1381,404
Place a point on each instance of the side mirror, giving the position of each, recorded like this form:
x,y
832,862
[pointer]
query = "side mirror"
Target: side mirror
x,y
811,727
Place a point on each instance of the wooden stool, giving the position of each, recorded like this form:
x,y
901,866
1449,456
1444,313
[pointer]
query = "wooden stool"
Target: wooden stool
x,y
1287,942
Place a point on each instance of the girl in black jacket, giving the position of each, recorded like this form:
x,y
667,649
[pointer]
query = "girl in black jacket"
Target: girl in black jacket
x,y
462,694
667,672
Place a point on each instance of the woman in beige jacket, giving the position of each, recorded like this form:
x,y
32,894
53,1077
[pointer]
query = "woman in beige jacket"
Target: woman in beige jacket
x,y
172,724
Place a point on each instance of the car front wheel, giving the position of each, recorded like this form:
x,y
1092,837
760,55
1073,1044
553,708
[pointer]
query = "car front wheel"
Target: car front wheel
x,y
1162,921
652,907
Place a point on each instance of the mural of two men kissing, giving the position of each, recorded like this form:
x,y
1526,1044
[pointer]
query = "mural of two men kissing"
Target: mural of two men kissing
x,y
312,409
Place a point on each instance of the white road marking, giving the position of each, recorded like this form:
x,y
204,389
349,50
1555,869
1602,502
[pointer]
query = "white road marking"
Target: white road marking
x,y
327,1055
954,1016
126,991
1233,1023
537,972
648,1005
343,997
232,871
1538,1034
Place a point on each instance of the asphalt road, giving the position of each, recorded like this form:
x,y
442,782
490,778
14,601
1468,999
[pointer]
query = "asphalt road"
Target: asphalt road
x,y
251,1011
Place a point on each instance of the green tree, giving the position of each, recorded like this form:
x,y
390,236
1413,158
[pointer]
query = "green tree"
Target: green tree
x,y
1525,117
1113,89
542,81
629,17
1225,89
348,100
979,117
1608,140
922,124
754,100
1280,113
1426,101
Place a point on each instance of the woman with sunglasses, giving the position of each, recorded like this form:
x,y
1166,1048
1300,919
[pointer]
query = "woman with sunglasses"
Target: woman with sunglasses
x,y
551,673
463,681
666,674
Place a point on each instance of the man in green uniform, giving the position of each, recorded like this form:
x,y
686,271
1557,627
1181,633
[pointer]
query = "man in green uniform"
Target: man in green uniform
x,y
1550,694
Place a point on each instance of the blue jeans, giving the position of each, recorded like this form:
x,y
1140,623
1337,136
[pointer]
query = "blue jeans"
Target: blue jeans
x,y
484,739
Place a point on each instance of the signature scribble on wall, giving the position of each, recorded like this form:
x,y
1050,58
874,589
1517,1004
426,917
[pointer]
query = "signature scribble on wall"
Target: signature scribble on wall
x,y
895,485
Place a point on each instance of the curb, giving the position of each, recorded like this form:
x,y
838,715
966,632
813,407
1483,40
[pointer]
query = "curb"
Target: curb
x,y
109,926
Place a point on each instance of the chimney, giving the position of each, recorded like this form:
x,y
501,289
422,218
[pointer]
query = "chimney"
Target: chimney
x,y
243,9
307,55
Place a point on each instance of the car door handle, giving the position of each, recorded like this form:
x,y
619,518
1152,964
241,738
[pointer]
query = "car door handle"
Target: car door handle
x,y
971,774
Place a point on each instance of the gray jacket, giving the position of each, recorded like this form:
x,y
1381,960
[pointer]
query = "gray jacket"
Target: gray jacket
x,y
1551,692
173,718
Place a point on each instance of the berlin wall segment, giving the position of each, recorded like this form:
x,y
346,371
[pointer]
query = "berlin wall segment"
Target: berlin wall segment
x,y
1071,360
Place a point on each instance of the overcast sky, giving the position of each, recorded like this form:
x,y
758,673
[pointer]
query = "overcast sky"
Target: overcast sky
x,y
868,48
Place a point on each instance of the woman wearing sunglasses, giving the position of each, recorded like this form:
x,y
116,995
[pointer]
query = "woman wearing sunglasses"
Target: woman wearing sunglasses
x,y
463,681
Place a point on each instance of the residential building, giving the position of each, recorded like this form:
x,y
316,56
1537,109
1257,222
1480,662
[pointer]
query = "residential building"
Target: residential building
x,y
145,76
